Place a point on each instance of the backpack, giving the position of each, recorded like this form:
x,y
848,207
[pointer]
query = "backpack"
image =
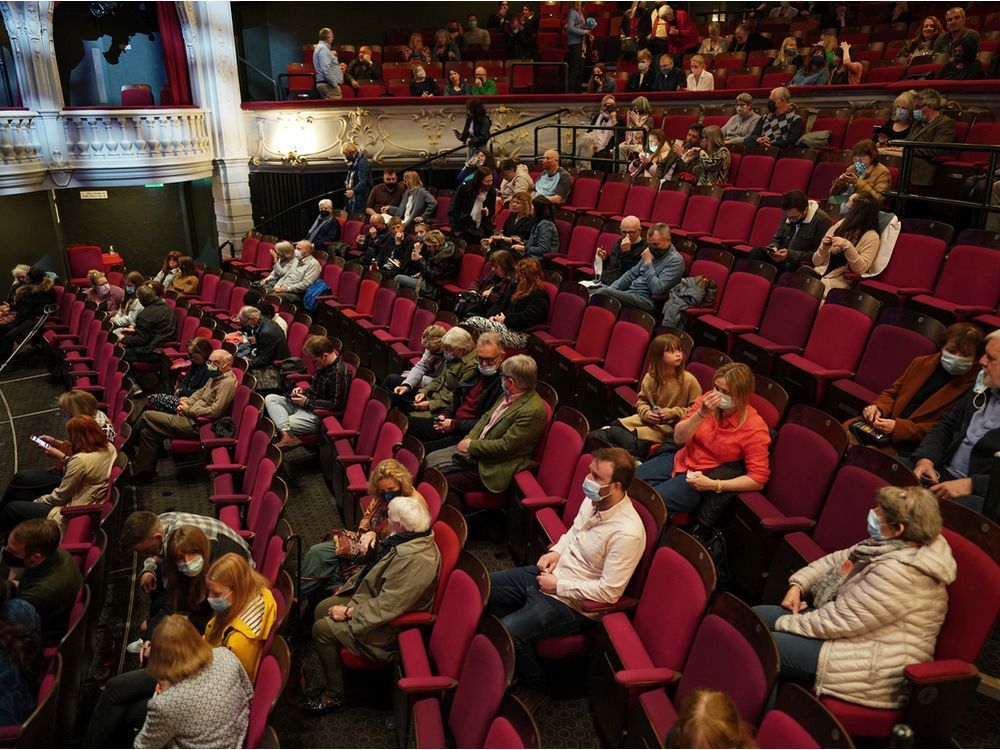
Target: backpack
x,y
311,297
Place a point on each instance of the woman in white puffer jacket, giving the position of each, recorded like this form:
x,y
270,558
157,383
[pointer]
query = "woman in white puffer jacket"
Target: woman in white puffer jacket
x,y
876,607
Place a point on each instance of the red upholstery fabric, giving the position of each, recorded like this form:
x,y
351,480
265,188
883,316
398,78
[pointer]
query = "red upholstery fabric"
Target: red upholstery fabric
x,y
778,730
755,172
669,207
428,726
503,734
480,689
861,721
842,522
699,215
267,688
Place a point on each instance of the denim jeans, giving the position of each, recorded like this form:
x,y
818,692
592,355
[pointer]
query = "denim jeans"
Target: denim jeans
x,y
529,616
678,496
799,655
628,299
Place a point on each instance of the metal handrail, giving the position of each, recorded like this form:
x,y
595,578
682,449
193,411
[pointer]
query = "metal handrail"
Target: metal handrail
x,y
586,128
417,165
258,71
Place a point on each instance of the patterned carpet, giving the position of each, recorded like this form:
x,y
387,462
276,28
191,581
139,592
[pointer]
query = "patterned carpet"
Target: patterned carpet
x,y
566,722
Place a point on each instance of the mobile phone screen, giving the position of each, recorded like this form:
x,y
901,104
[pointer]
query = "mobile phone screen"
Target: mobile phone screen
x,y
38,441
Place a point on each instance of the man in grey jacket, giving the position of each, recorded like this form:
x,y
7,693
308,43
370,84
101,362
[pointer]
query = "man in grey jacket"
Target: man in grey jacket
x,y
300,276
660,266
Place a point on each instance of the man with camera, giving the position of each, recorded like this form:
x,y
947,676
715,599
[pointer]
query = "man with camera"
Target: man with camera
x,y
599,143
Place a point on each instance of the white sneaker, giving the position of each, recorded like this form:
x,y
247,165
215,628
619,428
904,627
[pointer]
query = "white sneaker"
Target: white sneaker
x,y
135,646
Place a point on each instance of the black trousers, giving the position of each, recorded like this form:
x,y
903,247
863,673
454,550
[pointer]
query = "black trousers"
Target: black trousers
x,y
121,711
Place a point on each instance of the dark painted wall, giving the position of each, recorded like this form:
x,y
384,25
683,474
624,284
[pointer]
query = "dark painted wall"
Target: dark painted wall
x,y
29,234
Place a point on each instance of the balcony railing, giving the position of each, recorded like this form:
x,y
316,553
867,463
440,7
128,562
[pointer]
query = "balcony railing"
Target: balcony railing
x,y
20,143
126,135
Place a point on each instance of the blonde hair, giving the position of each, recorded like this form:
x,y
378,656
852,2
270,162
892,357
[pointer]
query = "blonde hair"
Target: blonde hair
x,y
745,98
285,249
828,41
644,55
906,100
411,179
390,469
349,148
641,105
20,268
739,379
76,403
178,650
708,719
235,573
713,137
697,59
714,26
780,57
916,508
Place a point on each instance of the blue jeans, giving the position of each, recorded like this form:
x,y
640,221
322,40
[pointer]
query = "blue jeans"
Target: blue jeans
x,y
529,616
799,655
628,299
678,496
407,282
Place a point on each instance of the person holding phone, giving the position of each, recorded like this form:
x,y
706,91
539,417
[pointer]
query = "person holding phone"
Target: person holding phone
x,y
798,235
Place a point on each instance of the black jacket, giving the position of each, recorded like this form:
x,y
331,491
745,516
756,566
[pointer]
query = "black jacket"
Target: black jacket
x,y
459,212
670,81
490,394
32,303
270,344
326,232
803,238
940,444
647,82
194,378
153,325
516,226
523,313
477,130
616,264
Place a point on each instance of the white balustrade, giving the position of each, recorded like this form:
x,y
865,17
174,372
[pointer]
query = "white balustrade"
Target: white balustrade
x,y
19,140
135,135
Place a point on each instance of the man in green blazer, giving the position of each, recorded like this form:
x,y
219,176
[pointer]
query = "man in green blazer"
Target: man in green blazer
x,y
502,441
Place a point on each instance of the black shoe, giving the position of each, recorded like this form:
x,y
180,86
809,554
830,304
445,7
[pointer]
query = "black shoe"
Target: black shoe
x,y
318,706
145,476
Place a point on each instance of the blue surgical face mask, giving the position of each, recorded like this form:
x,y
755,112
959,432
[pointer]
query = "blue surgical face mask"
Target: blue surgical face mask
x,y
955,365
980,386
919,116
592,490
218,603
505,387
875,526
130,290
902,114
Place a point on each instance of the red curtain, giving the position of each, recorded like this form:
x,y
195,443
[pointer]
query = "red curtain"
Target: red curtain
x,y
175,54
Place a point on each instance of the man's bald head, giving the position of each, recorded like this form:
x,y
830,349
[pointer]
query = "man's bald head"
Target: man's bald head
x,y
631,224
550,161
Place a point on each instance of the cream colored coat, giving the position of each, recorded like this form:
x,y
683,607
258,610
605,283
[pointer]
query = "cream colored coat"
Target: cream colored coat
x,y
885,617
859,257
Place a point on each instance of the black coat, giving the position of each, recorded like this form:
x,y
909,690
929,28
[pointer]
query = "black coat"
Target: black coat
x,y
327,232
477,130
521,314
459,212
270,344
153,325
32,303
647,81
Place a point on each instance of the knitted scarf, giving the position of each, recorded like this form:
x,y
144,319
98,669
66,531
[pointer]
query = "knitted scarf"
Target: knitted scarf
x,y
863,553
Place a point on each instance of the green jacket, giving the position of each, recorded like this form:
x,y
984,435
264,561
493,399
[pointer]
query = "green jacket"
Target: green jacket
x,y
440,392
510,443
405,580
51,588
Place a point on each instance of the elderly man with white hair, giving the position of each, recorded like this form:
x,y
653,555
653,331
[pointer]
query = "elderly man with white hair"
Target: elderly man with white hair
x,y
781,127
267,342
325,229
400,577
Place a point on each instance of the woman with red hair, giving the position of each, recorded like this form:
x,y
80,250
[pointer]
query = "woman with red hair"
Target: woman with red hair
x,y
521,308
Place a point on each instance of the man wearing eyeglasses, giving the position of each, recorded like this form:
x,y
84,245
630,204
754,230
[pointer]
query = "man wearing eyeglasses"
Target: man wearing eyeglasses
x,y
625,253
742,124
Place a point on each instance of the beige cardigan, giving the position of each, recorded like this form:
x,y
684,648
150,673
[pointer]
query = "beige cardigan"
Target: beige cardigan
x,y
885,617
859,258
84,481
875,183
675,399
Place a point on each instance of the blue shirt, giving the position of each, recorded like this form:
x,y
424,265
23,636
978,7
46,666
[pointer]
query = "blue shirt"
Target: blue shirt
x,y
983,421
326,64
559,183
575,28
649,279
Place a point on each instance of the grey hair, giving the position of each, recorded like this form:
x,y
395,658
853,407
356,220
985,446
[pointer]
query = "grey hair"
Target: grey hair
x,y
249,312
490,337
783,93
458,338
930,98
410,513
992,335
522,370
325,202
20,268
658,228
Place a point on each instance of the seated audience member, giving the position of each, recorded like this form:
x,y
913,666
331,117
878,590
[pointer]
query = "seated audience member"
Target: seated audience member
x,y
432,261
421,85
20,275
106,296
392,252
128,311
644,78
28,484
482,85
282,261
476,131
599,82
625,253
554,183
369,242
660,266
474,36
544,236
186,280
594,560
668,160
849,246
301,276
266,340
399,577
489,291
956,456
747,41
444,49
86,470
154,325
30,301
666,394
640,115
709,719
415,201
42,574
325,230
930,126
788,54
456,85
327,565
245,610
711,160
416,52
669,77
781,127
865,176
699,79
21,660
723,446
521,308
169,269
362,69
924,41
963,64
503,440
516,227
798,235
471,209
428,367
815,71
882,600
196,375
654,160
900,122
520,41
386,193
201,696
930,387
713,44
845,70
515,178
956,34
599,143
742,124
210,402
458,350
295,414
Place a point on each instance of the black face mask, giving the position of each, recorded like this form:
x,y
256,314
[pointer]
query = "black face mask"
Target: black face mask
x,y
772,106
12,560
324,212
818,60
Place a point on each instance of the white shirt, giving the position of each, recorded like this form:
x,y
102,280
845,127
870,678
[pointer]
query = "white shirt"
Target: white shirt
x,y
705,83
599,554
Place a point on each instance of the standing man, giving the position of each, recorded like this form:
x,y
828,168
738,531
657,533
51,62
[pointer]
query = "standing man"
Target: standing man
x,y
329,76
358,181
301,275
385,194
326,229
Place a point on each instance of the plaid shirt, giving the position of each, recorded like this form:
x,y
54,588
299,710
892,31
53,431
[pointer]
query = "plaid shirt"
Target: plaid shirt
x,y
213,528
329,387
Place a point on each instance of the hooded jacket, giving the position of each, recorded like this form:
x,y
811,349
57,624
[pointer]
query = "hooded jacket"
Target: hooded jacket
x,y
885,617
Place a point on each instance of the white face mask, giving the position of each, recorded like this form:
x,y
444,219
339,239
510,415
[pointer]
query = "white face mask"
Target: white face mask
x,y
298,253
726,402
192,567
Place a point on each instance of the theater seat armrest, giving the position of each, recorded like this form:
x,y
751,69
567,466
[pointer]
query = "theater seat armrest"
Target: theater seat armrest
x,y
73,348
624,604
324,413
414,619
229,499
945,670
615,382
341,434
646,678
71,511
423,685
83,373
787,523
546,501
350,459
586,361
218,442
224,468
